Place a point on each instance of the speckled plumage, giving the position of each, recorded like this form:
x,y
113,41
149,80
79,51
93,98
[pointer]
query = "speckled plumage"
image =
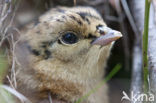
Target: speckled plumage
x,y
66,71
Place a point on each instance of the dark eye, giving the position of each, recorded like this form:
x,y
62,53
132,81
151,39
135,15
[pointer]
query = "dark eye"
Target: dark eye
x,y
69,38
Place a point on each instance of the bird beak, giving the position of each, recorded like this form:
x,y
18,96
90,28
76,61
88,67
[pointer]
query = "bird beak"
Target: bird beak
x,y
107,36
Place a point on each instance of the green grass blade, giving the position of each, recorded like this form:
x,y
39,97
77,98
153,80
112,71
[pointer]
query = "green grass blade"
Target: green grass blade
x,y
145,45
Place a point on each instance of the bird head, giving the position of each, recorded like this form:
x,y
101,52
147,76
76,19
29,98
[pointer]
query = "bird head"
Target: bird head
x,y
68,47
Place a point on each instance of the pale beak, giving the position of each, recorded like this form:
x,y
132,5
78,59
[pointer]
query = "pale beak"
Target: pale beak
x,y
107,37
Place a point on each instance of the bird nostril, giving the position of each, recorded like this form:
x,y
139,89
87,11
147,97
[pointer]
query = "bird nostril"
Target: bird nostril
x,y
100,29
101,32
104,30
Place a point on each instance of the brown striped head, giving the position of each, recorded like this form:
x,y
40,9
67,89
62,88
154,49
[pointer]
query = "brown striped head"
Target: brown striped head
x,y
69,45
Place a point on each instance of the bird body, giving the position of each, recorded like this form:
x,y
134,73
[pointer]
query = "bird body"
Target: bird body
x,y
64,54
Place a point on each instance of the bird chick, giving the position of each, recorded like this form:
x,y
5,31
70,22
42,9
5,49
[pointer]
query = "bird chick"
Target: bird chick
x,y
64,54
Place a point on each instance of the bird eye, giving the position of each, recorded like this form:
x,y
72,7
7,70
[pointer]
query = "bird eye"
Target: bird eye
x,y
69,38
